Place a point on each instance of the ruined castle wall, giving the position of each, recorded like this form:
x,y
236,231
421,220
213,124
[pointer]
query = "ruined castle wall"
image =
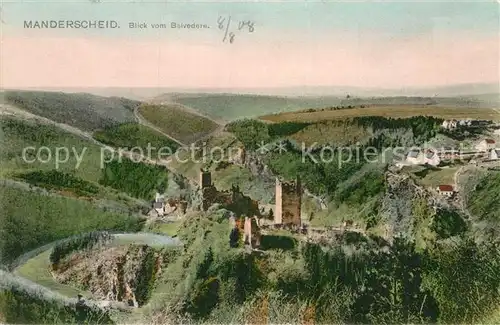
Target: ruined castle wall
x,y
205,179
279,202
288,203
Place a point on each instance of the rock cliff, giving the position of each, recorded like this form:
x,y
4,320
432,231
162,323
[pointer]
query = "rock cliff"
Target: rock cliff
x,y
121,273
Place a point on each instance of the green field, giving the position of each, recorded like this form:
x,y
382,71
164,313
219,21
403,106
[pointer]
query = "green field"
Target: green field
x,y
168,228
439,176
130,135
81,110
230,107
177,122
37,270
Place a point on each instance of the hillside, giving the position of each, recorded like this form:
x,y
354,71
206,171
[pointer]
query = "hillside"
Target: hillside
x,y
177,122
85,111
23,302
230,107
134,135
18,134
484,200
211,282
379,244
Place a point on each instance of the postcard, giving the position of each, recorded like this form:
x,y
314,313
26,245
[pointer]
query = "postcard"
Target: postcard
x,y
249,162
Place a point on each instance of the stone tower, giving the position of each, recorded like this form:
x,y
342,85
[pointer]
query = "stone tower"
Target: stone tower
x,y
205,178
288,203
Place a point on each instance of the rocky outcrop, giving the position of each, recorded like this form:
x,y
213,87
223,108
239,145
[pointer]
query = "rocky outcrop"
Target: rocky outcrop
x,y
122,273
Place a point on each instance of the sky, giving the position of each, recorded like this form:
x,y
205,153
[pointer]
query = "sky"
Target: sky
x,y
322,43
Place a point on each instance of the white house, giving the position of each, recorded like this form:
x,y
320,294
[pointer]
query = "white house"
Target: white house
x,y
450,124
414,157
160,208
486,145
446,190
432,158
494,154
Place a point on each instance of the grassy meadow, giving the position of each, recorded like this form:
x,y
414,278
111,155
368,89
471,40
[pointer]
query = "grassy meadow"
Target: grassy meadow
x,y
37,269
437,176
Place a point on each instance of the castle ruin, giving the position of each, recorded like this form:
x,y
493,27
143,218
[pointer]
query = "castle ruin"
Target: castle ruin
x,y
233,199
288,203
205,178
251,232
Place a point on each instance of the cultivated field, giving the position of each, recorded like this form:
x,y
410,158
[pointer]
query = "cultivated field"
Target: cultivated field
x,y
178,123
401,111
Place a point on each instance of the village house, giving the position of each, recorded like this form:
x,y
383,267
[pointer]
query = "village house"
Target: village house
x,y
494,154
414,157
159,207
446,190
432,158
450,124
449,153
486,145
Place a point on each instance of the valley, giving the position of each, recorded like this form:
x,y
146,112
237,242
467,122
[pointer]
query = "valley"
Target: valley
x,y
236,224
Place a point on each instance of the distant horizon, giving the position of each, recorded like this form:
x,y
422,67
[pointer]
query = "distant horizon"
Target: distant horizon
x,y
454,90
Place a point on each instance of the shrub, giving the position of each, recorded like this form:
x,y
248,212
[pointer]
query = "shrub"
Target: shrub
x,y
136,179
78,243
54,179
